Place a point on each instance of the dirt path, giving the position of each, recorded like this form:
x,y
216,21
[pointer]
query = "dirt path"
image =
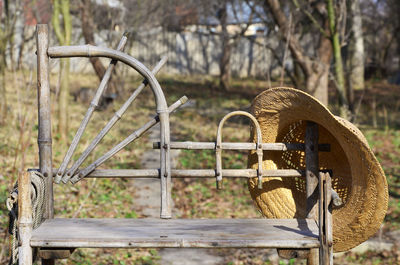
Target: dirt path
x,y
147,203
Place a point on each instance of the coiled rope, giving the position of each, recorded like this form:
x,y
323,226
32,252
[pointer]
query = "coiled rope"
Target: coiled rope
x,y
37,197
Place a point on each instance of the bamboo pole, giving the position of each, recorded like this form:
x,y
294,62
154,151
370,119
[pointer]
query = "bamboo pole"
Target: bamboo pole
x,y
136,134
89,112
44,116
94,51
241,146
193,173
117,116
162,107
24,219
312,171
218,147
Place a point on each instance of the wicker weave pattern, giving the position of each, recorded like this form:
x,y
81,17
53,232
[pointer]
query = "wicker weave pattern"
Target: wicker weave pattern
x,y
357,176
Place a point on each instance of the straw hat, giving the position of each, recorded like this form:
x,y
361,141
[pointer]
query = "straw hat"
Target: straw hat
x,y
357,176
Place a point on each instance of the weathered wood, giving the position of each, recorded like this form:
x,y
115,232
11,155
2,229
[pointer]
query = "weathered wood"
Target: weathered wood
x,y
179,233
132,137
327,212
241,146
165,166
287,253
94,51
44,116
117,116
336,200
321,216
24,219
313,257
312,169
89,112
218,147
162,108
48,261
51,254
191,173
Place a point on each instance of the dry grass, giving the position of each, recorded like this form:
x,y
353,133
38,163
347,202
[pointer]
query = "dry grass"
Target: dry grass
x,y
193,198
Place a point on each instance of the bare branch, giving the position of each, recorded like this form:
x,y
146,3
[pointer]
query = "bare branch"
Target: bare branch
x,y
56,21
311,18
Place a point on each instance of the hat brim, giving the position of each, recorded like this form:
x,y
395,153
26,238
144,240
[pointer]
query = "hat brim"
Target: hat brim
x,y
357,176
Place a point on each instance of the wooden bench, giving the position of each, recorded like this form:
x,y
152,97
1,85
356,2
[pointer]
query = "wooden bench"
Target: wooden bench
x,y
57,237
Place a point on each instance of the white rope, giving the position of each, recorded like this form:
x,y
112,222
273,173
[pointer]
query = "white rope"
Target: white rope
x,y
37,196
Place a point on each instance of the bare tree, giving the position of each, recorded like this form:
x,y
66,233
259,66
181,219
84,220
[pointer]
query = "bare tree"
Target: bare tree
x,y
334,28
61,12
356,47
314,66
380,28
226,47
88,28
8,16
227,13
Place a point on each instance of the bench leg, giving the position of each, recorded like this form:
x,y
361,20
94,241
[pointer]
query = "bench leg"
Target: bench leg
x,y
25,255
48,261
313,257
325,219
25,219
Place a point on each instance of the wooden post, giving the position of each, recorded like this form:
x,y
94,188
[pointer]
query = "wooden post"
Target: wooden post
x,y
44,117
312,164
325,220
25,219
165,167
311,153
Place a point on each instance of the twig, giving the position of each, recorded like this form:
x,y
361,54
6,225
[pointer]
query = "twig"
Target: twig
x,y
278,59
311,18
269,77
286,49
358,105
82,203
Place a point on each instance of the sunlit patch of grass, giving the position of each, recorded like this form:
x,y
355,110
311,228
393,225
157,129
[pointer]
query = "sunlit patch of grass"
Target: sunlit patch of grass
x,y
386,147
194,198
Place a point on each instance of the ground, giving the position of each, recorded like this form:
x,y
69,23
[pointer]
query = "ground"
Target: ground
x,y
197,122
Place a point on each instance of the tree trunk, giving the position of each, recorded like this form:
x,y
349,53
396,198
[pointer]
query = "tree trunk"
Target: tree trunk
x,y
64,38
225,75
317,84
339,73
356,48
63,100
88,35
317,78
316,70
224,64
396,31
3,102
21,47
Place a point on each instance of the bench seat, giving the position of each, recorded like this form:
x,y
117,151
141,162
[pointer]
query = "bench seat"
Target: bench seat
x,y
176,233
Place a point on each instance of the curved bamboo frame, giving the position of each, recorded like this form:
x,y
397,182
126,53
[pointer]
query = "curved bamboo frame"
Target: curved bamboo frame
x,y
161,103
218,147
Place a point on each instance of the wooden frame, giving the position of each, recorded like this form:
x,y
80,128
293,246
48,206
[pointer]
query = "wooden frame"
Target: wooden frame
x,y
297,235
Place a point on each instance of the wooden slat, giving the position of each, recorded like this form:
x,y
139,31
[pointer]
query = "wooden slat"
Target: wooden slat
x,y
241,146
192,173
312,169
179,233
